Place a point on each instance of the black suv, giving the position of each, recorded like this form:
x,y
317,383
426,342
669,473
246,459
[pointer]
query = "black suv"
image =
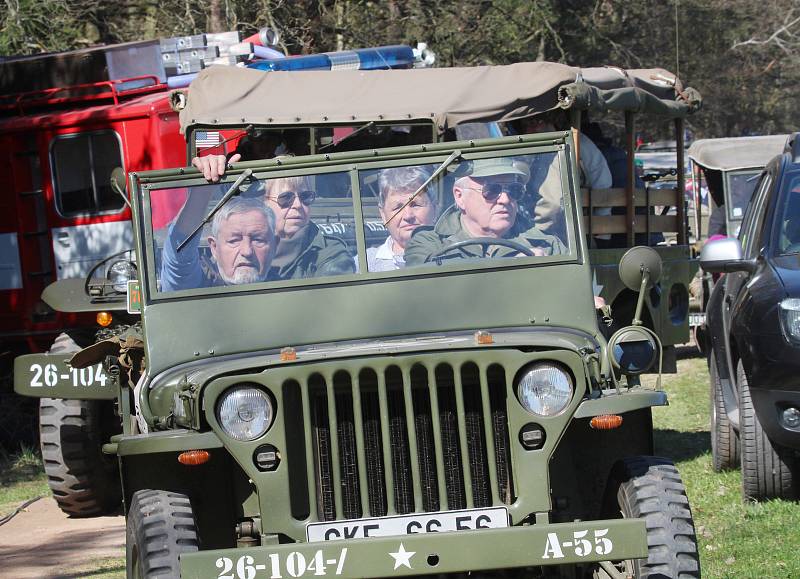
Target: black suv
x,y
754,322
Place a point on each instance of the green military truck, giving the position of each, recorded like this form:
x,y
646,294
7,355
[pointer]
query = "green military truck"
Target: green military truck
x,y
462,413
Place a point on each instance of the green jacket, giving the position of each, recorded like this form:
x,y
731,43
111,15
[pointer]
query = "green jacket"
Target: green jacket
x,y
427,242
311,253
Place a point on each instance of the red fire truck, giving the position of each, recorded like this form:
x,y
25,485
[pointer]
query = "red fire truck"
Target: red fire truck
x,y
67,121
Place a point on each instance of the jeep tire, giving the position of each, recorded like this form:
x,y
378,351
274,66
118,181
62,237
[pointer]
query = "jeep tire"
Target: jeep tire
x,y
767,469
724,439
651,488
160,527
84,481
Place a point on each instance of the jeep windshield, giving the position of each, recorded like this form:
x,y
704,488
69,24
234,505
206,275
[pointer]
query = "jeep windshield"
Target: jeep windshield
x,y
289,223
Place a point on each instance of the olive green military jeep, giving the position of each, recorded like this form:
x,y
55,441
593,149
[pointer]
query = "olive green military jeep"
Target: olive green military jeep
x,y
458,412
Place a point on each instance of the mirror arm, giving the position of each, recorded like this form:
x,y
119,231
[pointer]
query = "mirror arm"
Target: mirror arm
x,y
748,265
637,317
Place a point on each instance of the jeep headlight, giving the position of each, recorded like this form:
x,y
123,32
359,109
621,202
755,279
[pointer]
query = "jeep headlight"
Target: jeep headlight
x,y
790,316
245,412
119,274
544,389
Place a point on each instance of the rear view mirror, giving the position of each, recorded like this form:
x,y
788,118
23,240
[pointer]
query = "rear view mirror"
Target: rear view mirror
x,y
118,184
724,256
639,270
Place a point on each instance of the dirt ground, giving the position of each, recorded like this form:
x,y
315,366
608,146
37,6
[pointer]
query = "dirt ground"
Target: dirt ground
x,y
42,542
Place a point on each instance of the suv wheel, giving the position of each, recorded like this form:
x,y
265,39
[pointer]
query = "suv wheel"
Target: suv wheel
x,y
767,469
724,439
84,481
160,526
651,488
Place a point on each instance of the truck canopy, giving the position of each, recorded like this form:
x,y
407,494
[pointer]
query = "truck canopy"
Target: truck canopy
x,y
733,153
224,96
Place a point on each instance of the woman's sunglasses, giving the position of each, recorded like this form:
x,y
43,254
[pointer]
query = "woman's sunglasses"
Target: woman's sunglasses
x,y
286,199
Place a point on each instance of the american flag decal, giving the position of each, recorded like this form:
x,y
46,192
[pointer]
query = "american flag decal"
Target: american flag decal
x,y
206,139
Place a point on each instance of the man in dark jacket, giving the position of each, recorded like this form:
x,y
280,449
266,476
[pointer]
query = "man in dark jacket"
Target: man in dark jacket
x,y
486,208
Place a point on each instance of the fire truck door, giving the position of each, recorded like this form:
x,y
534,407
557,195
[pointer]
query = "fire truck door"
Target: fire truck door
x,y
93,221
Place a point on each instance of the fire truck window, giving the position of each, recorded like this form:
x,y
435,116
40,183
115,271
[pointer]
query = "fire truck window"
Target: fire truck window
x,y
82,166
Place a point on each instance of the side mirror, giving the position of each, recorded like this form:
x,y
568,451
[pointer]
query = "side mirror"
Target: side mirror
x,y
639,270
725,256
118,184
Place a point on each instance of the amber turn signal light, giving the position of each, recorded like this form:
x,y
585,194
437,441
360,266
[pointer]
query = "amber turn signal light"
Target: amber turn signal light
x,y
288,354
104,319
482,337
194,457
606,422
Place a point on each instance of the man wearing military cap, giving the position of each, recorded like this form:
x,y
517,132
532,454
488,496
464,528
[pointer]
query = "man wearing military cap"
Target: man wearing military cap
x,y
486,208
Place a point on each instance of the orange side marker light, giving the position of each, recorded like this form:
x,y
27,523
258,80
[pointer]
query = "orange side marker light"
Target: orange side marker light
x,y
606,422
194,457
104,319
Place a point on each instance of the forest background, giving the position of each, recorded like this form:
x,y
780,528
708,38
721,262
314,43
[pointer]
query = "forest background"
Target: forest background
x,y
742,55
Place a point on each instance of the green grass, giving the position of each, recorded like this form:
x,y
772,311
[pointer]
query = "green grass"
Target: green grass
x,y
112,568
736,539
21,478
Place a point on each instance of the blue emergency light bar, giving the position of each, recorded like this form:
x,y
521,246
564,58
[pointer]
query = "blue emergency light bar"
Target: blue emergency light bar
x,y
379,57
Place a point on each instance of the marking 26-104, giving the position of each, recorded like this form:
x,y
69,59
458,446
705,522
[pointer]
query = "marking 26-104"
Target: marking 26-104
x,y
48,376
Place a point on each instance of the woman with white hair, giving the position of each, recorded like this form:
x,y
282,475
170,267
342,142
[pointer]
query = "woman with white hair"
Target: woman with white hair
x,y
401,214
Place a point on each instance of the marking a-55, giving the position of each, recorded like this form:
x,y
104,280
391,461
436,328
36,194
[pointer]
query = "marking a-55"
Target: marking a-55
x,y
580,543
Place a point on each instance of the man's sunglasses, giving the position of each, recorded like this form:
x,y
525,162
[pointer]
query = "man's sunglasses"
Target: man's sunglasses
x,y
491,191
286,199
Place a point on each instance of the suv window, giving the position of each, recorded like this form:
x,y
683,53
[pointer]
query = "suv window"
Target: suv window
x,y
82,165
789,223
754,216
740,188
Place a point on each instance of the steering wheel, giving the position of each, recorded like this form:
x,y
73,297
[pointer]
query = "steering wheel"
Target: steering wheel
x,y
485,243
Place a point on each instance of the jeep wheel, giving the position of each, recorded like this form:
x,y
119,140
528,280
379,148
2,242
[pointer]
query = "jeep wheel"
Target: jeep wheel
x,y
767,469
724,439
651,488
160,526
84,481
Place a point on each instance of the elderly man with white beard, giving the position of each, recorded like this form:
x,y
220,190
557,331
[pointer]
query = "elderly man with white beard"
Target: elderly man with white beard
x,y
242,244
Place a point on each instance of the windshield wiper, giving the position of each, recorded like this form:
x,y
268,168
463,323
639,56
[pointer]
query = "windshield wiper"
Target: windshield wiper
x,y
445,164
359,130
228,194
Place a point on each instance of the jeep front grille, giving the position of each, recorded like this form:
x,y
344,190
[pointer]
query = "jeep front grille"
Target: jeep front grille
x,y
373,439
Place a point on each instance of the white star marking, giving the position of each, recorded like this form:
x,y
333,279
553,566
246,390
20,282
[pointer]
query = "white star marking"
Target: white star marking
x,y
402,557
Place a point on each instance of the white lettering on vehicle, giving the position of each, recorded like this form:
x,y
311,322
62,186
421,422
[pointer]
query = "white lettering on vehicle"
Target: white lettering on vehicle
x,y
582,546
280,566
48,376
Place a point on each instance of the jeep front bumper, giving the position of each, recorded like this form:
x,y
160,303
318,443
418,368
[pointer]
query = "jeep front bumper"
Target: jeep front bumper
x,y
424,554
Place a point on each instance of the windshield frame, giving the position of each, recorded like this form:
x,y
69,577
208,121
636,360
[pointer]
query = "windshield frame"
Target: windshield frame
x,y
354,163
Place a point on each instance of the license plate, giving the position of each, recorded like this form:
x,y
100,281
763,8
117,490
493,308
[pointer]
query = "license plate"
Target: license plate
x,y
697,319
466,520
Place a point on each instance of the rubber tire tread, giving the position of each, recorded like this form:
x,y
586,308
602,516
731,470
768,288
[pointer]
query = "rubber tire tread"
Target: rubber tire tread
x,y
159,528
651,488
84,481
767,469
725,450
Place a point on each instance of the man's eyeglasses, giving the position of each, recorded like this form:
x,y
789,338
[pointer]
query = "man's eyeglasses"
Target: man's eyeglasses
x,y
491,191
286,199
